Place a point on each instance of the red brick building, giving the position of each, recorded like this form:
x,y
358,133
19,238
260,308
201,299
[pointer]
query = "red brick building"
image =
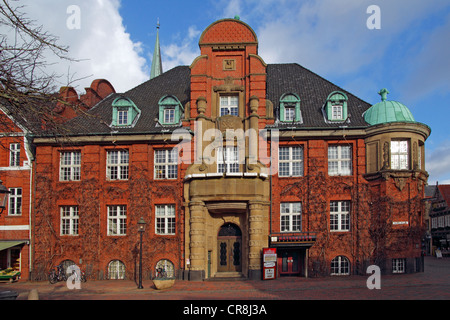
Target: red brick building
x,y
16,174
17,159
224,158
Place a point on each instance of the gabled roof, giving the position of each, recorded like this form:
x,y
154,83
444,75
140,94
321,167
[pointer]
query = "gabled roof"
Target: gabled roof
x,y
146,96
444,190
312,89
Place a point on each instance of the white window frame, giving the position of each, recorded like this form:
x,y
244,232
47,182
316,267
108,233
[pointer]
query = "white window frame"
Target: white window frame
x,y
169,114
229,163
165,219
434,223
290,160
290,217
122,116
167,266
340,216
70,218
117,168
15,202
117,220
166,164
289,113
116,270
14,155
337,112
70,166
339,166
441,222
398,265
400,155
340,266
229,105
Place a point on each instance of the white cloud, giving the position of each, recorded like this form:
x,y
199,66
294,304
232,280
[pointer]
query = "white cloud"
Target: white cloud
x,y
184,53
438,163
101,43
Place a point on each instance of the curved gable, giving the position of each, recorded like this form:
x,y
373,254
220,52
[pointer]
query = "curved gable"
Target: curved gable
x,y
228,31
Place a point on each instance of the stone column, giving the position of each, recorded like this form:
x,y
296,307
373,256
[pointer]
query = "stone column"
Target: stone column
x,y
256,239
197,241
253,133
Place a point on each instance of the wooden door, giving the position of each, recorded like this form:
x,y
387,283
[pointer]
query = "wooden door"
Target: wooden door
x,y
229,249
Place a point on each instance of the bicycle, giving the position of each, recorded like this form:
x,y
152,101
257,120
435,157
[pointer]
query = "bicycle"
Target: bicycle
x,y
161,273
60,275
57,275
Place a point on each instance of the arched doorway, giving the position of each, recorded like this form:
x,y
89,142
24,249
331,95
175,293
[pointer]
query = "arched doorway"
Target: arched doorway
x,y
229,248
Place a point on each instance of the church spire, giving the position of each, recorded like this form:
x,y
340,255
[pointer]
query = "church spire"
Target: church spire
x,y
156,62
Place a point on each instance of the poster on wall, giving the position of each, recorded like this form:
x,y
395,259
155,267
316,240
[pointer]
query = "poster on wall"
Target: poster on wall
x,y
269,263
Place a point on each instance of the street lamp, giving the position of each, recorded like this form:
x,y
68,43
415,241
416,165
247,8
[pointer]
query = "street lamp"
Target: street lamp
x,y
141,230
4,192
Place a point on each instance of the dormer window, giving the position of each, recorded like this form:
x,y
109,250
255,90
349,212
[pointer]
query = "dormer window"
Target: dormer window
x,y
170,110
290,108
336,106
122,116
125,113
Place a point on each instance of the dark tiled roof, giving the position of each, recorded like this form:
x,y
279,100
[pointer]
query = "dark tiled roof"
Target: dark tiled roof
x,y
146,96
312,89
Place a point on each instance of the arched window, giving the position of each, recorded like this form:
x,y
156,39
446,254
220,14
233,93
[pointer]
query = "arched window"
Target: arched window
x,y
66,264
290,108
116,270
165,266
340,266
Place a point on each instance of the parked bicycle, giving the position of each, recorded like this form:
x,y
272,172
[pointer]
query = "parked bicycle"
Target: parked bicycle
x,y
161,273
59,274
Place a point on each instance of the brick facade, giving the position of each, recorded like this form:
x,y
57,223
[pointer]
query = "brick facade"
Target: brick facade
x,y
338,207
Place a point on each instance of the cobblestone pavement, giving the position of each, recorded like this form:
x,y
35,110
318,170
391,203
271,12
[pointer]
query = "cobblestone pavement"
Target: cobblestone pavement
x,y
433,284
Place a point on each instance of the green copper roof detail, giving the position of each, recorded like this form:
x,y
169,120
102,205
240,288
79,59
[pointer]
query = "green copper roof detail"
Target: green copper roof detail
x,y
156,62
387,111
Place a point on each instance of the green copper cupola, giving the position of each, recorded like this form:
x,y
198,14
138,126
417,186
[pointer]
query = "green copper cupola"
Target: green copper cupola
x,y
387,111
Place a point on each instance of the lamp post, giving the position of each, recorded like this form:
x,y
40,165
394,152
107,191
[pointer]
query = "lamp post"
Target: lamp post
x,y
141,230
4,192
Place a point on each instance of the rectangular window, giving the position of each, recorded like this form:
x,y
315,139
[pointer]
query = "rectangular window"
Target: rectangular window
x,y
165,219
117,220
169,115
227,159
69,221
166,164
122,117
117,165
340,215
336,112
399,155
229,105
434,223
70,166
14,154
339,160
15,201
290,162
289,113
398,265
291,217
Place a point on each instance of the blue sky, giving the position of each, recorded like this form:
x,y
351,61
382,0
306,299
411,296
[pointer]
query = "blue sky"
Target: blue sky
x,y
409,55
